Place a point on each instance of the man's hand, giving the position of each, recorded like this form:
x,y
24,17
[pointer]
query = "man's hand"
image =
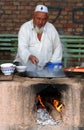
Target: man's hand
x,y
33,59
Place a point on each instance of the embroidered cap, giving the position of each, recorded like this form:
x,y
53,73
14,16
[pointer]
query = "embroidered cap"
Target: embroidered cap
x,y
41,8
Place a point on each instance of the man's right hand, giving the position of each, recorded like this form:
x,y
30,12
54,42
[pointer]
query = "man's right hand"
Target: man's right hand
x,y
33,59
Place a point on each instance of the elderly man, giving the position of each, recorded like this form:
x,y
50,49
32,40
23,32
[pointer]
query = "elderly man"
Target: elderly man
x,y
38,41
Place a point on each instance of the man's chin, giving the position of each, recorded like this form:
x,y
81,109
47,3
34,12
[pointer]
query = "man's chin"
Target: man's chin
x,y
39,29
40,26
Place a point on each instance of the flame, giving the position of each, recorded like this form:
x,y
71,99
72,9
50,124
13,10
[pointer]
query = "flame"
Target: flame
x,y
55,103
39,98
57,106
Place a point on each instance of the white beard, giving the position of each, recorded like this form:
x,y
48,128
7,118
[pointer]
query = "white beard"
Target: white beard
x,y
39,30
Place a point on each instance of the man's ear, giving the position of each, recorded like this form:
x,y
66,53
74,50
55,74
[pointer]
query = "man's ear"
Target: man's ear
x,y
47,17
33,15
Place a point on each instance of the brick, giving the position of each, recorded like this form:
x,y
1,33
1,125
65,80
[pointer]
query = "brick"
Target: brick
x,y
22,10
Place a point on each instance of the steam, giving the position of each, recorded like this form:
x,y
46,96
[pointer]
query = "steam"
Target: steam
x,y
45,72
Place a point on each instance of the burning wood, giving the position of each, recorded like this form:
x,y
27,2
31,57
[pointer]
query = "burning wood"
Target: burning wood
x,y
56,115
57,106
39,98
50,100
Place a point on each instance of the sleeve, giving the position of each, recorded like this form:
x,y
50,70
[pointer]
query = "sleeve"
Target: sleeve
x,y
23,40
57,47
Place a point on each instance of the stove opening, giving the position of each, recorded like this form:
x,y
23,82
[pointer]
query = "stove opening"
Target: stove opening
x,y
49,104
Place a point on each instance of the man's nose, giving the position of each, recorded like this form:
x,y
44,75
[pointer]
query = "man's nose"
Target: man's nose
x,y
40,21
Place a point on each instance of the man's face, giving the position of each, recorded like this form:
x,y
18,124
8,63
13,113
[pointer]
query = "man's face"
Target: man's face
x,y
40,19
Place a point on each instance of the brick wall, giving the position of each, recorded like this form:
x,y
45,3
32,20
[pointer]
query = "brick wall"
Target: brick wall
x,y
66,15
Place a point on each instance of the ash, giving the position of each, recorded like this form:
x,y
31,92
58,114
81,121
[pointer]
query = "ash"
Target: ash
x,y
43,118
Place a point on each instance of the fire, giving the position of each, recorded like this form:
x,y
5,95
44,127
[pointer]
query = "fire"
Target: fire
x,y
57,106
39,98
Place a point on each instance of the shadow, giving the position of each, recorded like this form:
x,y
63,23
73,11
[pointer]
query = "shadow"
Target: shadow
x,y
51,89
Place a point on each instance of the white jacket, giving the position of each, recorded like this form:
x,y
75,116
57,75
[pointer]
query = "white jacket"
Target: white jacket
x,y
49,49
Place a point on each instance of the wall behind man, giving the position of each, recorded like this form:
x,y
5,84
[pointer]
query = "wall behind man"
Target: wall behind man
x,y
66,15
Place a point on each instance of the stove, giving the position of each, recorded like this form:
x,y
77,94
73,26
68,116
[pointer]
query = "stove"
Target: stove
x,y
18,103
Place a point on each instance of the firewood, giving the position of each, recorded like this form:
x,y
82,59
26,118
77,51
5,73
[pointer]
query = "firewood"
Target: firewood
x,y
53,112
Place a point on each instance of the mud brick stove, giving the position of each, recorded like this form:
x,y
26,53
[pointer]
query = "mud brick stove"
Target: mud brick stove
x,y
18,103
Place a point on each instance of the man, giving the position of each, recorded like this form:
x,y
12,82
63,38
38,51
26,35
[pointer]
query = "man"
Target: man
x,y
38,41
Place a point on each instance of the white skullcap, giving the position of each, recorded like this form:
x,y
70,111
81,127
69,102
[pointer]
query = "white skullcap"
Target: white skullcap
x,y
41,8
